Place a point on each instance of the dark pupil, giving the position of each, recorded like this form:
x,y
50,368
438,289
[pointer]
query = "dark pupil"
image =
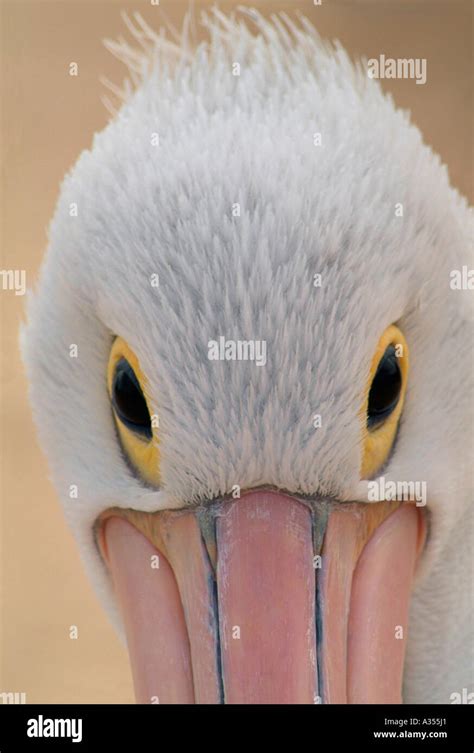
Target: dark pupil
x,y
385,390
129,401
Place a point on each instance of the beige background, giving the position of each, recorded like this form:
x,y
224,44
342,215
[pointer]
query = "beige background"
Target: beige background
x,y
47,119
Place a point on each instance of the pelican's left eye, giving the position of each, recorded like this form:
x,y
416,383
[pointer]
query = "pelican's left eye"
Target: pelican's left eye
x,y
385,389
131,408
383,403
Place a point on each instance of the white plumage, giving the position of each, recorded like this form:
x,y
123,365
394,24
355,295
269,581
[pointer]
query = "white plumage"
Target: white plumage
x,y
145,208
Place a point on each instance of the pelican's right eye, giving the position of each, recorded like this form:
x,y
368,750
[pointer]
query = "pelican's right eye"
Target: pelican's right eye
x,y
129,401
131,409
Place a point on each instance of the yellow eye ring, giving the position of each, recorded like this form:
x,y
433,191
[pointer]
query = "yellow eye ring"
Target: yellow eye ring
x,y
379,434
139,442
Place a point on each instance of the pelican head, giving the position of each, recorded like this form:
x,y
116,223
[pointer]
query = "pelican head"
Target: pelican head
x,y
244,347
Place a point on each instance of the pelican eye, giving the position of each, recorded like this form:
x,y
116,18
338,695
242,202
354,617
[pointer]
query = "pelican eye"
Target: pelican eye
x,y
385,389
134,418
129,401
383,400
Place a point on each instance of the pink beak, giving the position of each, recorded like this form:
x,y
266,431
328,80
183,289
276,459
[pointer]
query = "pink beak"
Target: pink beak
x,y
265,599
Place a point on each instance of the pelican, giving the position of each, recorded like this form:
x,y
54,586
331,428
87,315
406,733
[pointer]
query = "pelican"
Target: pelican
x,y
244,333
